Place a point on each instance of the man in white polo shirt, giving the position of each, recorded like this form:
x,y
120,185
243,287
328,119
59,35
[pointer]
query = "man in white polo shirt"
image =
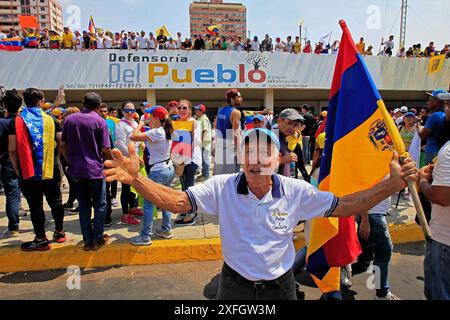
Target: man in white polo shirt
x,y
258,211
434,181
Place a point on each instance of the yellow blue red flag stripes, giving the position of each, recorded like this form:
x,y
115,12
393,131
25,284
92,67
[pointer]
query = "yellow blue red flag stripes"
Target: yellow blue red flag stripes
x,y
91,26
357,154
35,132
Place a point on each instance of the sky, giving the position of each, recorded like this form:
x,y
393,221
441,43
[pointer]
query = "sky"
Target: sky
x,y
373,19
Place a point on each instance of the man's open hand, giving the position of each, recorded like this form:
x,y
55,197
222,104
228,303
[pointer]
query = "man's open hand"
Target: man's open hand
x,y
123,169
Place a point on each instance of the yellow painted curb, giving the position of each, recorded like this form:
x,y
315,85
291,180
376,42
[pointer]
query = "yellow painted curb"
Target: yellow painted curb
x,y
160,252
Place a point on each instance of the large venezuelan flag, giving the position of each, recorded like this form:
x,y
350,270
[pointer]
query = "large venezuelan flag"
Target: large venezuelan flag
x,y
11,44
357,154
35,134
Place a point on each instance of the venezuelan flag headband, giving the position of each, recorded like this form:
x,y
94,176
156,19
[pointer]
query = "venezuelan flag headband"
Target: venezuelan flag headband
x,y
361,137
35,134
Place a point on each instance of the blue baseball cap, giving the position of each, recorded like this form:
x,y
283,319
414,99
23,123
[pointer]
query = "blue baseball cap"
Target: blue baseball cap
x,y
150,110
259,117
437,93
409,114
144,104
270,134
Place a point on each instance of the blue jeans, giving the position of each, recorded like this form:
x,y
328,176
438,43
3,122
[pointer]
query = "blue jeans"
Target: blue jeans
x,y
437,271
188,178
91,193
205,162
300,260
10,184
306,155
163,177
380,242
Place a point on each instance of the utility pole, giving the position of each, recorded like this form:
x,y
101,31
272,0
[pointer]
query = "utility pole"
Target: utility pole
x,y
403,24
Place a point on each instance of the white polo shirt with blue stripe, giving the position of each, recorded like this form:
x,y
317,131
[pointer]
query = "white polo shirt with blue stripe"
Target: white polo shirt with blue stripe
x,y
257,234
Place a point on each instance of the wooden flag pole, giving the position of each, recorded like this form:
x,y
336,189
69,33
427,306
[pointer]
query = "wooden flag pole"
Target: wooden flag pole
x,y
399,146
420,213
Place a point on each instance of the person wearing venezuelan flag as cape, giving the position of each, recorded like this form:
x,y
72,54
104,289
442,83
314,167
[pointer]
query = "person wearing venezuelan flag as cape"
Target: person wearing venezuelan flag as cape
x,y
33,152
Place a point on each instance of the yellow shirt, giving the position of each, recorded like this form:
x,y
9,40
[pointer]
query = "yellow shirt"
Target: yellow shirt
x,y
361,47
67,40
320,141
55,38
297,47
116,120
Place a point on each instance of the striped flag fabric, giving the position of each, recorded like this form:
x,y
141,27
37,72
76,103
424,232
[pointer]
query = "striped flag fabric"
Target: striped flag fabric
x,y
361,137
11,44
35,134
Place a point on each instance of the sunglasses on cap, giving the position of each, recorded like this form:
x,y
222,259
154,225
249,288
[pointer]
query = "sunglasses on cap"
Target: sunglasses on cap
x,y
129,111
183,108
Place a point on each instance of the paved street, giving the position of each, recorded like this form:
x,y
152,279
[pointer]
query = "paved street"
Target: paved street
x,y
192,281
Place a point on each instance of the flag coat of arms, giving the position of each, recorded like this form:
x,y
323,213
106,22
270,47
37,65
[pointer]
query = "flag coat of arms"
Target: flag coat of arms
x,y
360,139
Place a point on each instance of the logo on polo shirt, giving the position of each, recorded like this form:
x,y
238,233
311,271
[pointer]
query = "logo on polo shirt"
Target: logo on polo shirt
x,y
281,221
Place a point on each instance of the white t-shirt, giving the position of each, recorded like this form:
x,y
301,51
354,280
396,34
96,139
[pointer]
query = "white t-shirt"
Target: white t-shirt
x,y
2,36
179,43
78,41
170,46
108,42
279,47
257,234
133,43
440,216
159,149
381,208
143,42
152,43
100,43
255,45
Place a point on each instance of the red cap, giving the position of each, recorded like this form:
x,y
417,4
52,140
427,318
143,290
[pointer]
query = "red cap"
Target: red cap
x,y
200,107
232,93
160,113
172,104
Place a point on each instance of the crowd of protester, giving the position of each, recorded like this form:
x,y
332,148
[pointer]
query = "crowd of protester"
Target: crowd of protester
x,y
81,140
100,39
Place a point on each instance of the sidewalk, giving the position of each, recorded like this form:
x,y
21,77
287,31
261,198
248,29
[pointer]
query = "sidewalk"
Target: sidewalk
x,y
190,243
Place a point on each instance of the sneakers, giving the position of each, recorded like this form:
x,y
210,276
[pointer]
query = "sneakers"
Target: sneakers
x,y
389,296
36,245
75,210
114,203
136,212
9,234
59,236
346,277
97,245
2,192
183,222
164,234
108,224
129,220
139,241
87,247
